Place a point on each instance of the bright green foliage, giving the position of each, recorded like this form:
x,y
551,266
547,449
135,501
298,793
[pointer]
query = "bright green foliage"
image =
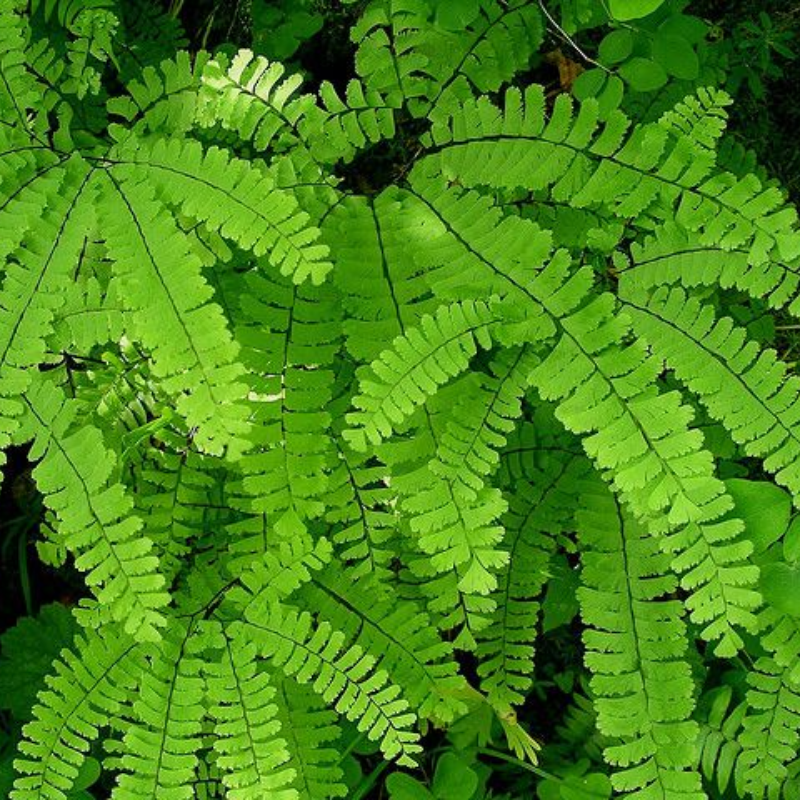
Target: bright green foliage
x,y
636,644
338,395
87,688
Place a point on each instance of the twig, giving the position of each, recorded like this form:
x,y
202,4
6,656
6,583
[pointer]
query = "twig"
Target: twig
x,y
564,35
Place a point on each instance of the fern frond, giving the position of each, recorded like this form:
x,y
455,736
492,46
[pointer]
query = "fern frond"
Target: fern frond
x,y
252,754
577,160
231,196
673,255
193,354
41,262
770,731
289,337
162,99
386,59
178,496
19,93
67,12
359,510
277,575
91,683
469,447
384,292
409,648
458,534
404,55
255,99
344,675
162,740
636,646
744,387
497,44
428,356
469,246
95,518
540,509
718,745
311,733
643,441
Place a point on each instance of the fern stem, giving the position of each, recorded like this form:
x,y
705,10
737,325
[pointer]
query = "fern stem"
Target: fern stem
x,y
488,751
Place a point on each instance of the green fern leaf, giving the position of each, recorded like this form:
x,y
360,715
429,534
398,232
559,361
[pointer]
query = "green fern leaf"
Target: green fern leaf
x,y
192,350
770,730
344,675
160,745
541,508
90,684
311,734
231,196
94,514
636,647
419,362
252,754
742,386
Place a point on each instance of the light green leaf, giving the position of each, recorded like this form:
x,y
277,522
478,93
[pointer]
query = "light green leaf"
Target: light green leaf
x,y
633,9
454,780
780,585
764,508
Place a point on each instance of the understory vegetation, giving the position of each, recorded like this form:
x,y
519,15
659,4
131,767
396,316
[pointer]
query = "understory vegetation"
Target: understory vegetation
x,y
399,399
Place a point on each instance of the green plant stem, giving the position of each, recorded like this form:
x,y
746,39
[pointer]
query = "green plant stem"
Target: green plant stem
x,y
488,751
366,785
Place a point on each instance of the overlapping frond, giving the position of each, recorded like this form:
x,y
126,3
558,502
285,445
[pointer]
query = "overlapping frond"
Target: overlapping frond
x,y
251,751
192,351
401,378
770,730
743,386
289,337
586,161
229,195
94,513
384,292
673,255
541,507
92,682
44,219
159,753
409,648
311,735
18,90
343,674
431,65
254,98
635,647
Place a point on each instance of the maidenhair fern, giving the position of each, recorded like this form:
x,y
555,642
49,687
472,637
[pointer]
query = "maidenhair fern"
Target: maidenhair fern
x,y
321,440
